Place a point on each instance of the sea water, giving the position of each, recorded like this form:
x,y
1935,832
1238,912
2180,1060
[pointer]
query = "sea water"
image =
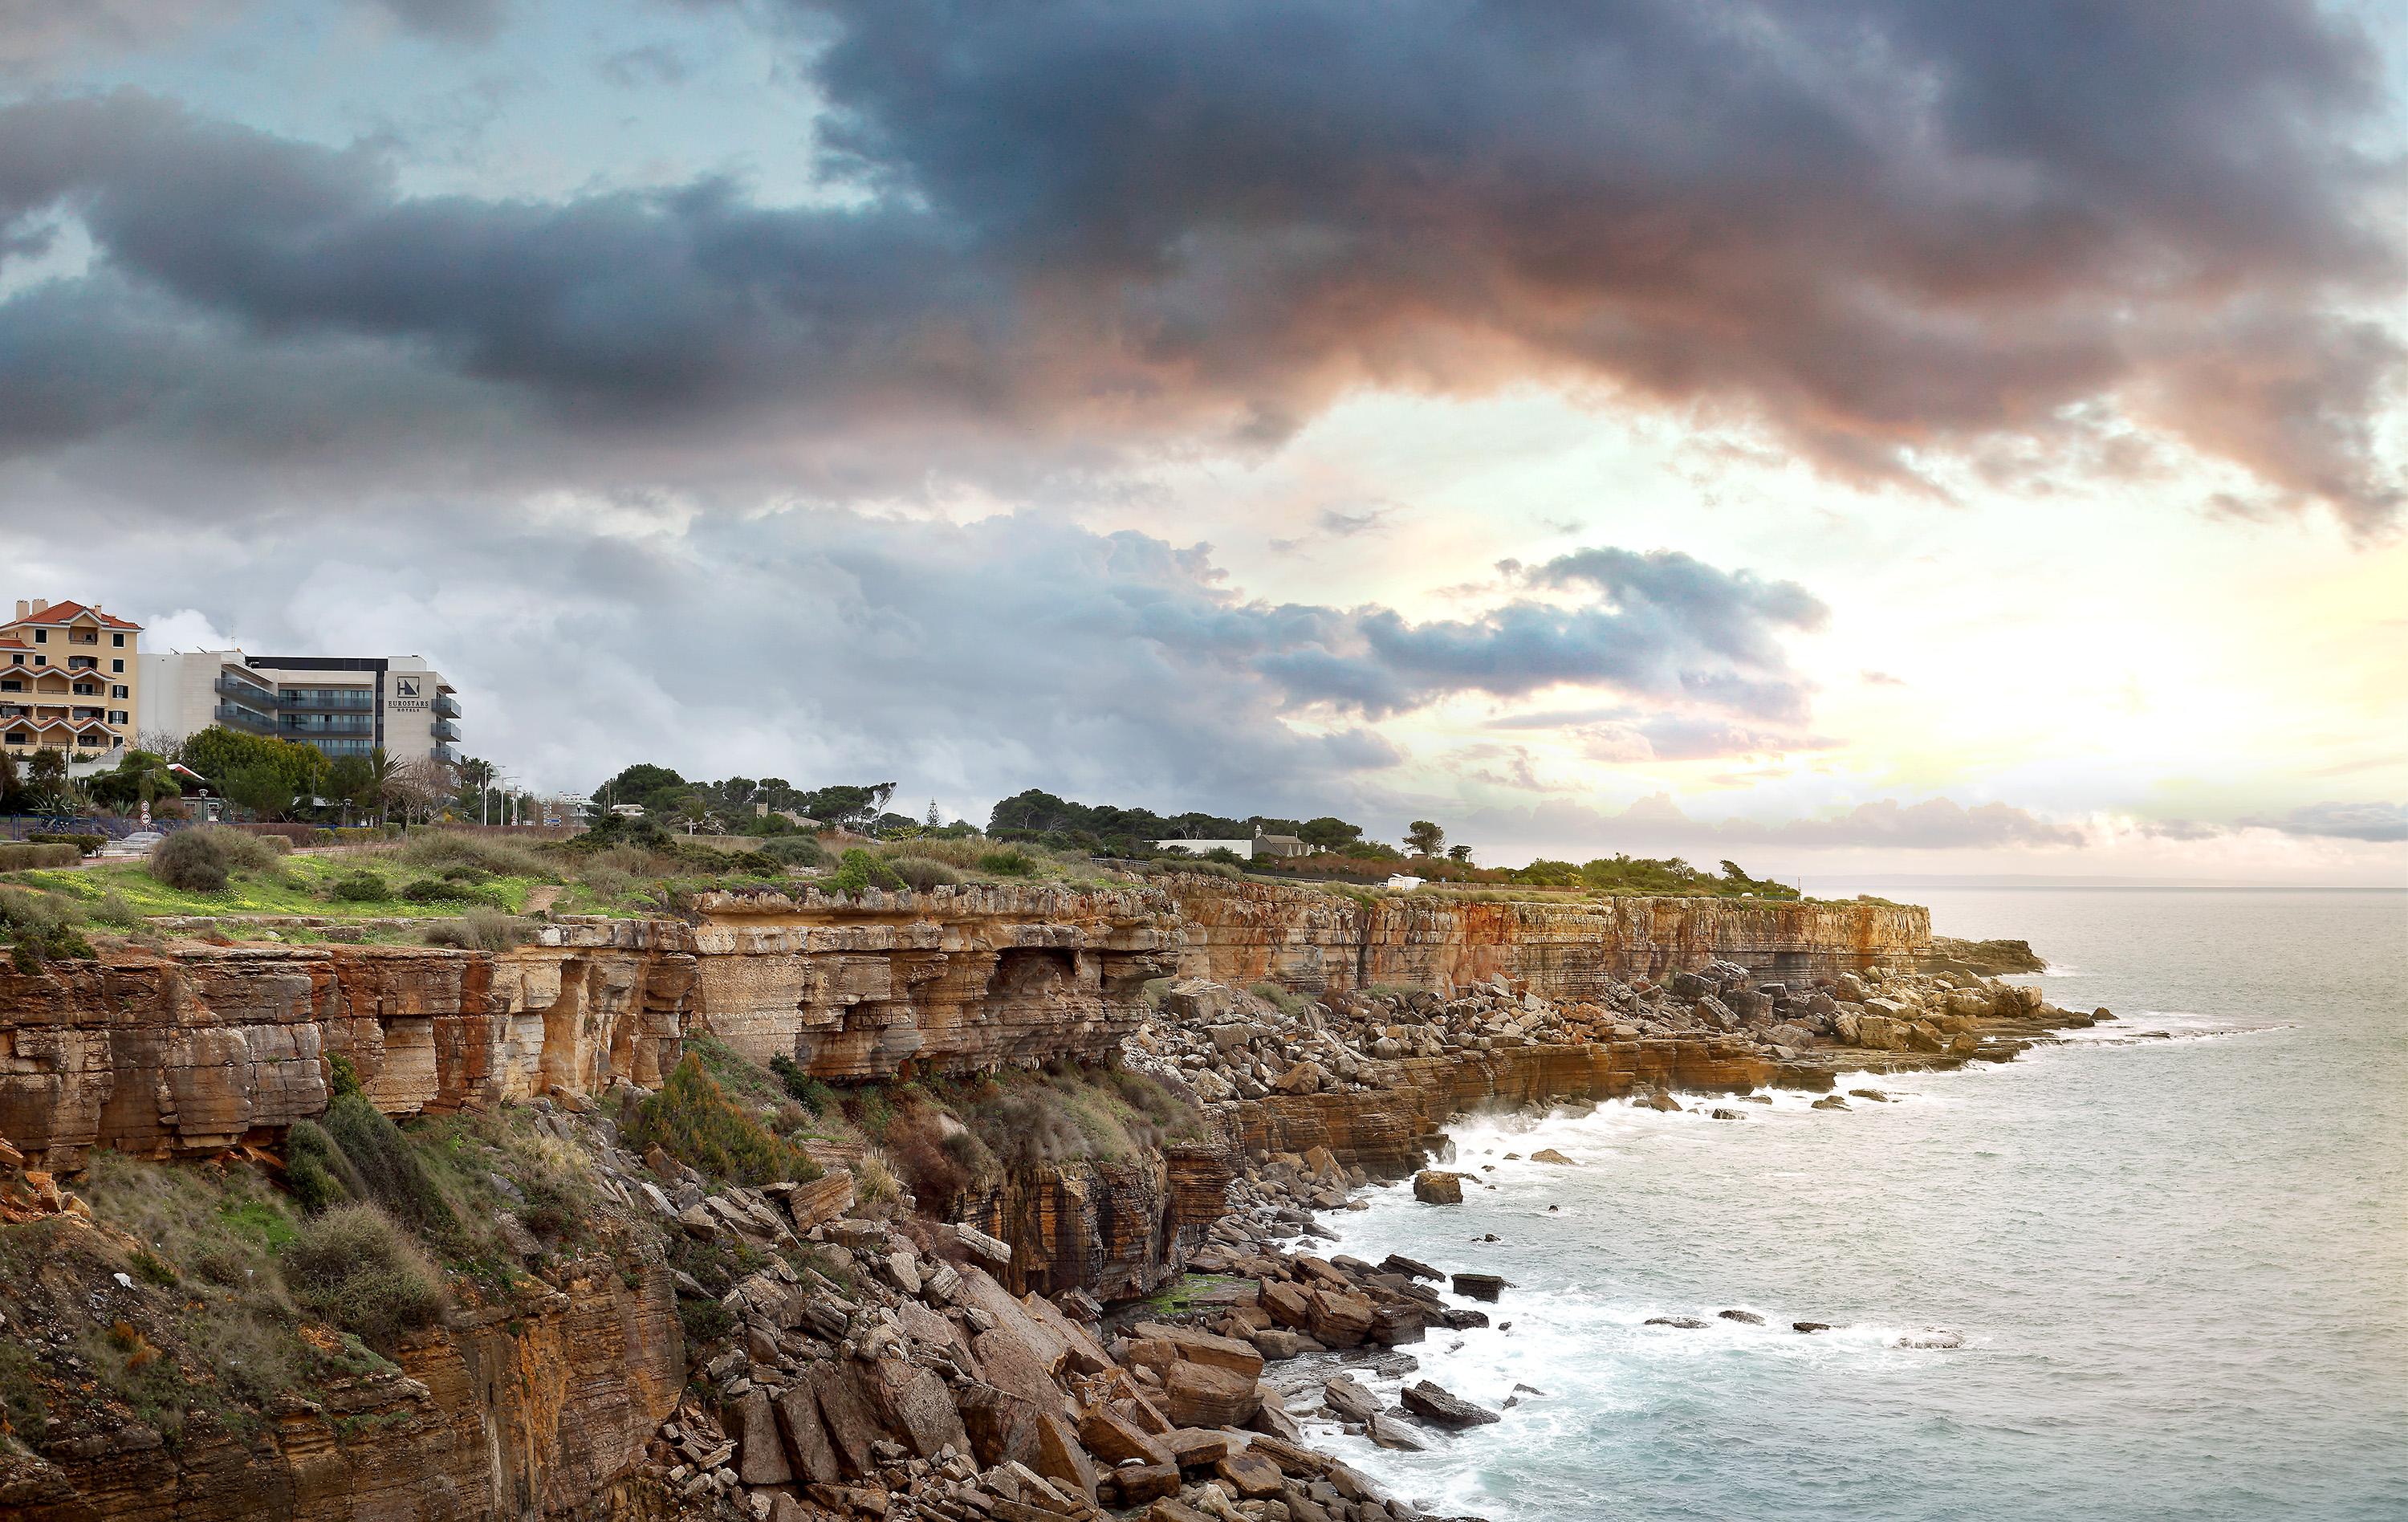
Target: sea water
x,y
2174,1248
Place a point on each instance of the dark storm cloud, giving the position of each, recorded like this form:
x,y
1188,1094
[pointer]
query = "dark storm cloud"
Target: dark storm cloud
x,y
1882,228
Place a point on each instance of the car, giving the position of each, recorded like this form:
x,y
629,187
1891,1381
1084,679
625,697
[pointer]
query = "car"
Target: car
x,y
139,842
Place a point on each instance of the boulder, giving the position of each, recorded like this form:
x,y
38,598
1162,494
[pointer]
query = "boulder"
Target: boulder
x,y
1385,1431
1203,1347
1348,1401
1250,1475
1440,1407
1810,1326
1340,1320
1829,1101
845,1412
1059,1457
1306,1077
1202,1395
1549,1155
1286,1304
1686,1323
1748,1317
1434,1187
807,1449
1480,1286
1410,1268
1192,1448
918,1407
760,1452
1137,1483
1116,1441
1001,1426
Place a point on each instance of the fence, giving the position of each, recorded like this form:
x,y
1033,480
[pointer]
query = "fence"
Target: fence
x,y
17,826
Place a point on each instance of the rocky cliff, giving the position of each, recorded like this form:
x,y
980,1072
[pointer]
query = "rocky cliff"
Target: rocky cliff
x,y
1316,943
957,980
194,1048
542,1407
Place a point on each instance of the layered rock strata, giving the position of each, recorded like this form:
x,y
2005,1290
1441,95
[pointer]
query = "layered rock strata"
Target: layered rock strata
x,y
199,1047
1243,933
957,980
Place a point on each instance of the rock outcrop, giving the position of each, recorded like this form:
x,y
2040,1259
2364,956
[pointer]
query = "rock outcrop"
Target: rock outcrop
x,y
197,1047
956,979
1243,933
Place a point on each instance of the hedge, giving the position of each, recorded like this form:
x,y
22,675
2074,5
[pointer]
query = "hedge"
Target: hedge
x,y
16,858
84,844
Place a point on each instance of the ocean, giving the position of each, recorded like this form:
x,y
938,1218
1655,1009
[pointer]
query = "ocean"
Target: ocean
x,y
2174,1247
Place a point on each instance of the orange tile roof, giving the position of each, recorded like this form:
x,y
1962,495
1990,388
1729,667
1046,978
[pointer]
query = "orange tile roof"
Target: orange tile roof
x,y
67,612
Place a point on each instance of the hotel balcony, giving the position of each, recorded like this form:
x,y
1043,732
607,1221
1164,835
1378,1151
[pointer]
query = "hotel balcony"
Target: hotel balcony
x,y
250,721
305,725
446,706
445,729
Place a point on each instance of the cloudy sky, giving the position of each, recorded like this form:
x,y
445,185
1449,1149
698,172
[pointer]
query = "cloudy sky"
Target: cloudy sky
x,y
1850,435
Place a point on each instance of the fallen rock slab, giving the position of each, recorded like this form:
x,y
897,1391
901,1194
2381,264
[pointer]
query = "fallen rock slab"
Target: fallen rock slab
x,y
1441,1408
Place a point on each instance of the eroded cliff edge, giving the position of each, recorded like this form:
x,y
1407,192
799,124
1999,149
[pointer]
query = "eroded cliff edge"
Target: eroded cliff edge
x,y
543,1402
197,1046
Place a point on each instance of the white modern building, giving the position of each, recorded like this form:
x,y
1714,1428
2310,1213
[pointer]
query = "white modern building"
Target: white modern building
x,y
344,705
1243,850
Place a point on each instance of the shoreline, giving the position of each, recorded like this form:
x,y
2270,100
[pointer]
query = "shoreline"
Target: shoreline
x,y
1316,1320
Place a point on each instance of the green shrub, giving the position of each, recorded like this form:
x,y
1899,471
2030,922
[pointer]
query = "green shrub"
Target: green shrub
x,y
461,871
1009,862
115,910
437,890
438,850
39,932
795,851
857,871
921,873
360,887
1284,1000
201,860
342,1076
387,1171
315,1169
481,928
806,1090
356,1269
693,1119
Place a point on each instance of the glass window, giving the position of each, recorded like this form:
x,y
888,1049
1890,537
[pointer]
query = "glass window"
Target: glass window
x,y
41,636
117,666
116,640
120,692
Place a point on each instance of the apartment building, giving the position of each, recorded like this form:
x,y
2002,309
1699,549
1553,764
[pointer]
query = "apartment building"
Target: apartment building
x,y
350,705
344,705
70,679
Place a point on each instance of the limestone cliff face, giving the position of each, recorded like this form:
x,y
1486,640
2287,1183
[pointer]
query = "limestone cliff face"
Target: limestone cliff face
x,y
1116,1230
537,1409
951,981
193,1050
1243,933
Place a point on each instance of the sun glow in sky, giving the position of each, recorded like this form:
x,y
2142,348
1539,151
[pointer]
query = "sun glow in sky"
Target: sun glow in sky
x,y
1975,449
